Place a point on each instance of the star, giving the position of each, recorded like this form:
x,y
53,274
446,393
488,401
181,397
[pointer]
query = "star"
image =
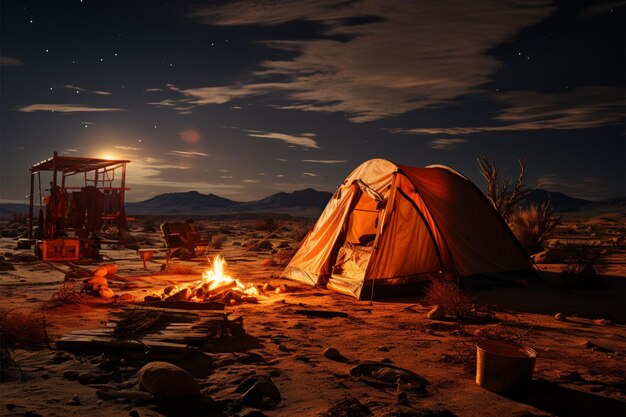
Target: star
x,y
47,50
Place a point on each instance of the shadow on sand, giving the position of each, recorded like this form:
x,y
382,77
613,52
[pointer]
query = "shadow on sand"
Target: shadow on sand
x,y
566,402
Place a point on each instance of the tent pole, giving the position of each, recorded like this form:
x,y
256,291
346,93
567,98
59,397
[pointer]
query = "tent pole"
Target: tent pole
x,y
372,295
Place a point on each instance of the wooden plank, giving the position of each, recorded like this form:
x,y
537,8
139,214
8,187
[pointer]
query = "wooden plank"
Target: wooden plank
x,y
82,342
185,305
327,314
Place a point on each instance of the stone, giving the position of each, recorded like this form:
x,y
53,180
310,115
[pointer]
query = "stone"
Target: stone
x,y
436,313
265,245
165,380
259,391
602,322
560,317
94,283
71,375
334,355
106,292
74,401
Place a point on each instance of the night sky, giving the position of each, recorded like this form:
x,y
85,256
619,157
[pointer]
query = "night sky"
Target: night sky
x,y
246,98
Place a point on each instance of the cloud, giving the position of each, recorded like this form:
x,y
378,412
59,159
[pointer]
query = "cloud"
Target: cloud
x,y
152,90
9,61
446,144
127,148
186,154
310,174
84,90
66,108
305,142
404,56
250,181
325,161
580,108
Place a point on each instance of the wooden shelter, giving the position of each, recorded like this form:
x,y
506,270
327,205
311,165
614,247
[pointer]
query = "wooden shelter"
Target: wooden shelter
x,y
107,175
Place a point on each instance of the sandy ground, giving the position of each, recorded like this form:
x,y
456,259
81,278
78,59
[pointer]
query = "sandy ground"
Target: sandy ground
x,y
580,368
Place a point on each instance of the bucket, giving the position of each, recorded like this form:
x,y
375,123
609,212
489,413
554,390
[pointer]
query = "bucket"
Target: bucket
x,y
504,366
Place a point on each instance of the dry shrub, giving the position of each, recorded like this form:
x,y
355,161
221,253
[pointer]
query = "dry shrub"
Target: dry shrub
x,y
19,329
280,258
532,225
70,293
149,225
217,241
583,268
464,354
178,269
449,296
503,194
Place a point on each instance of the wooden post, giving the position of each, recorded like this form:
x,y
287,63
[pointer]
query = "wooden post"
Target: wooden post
x,y
30,204
54,169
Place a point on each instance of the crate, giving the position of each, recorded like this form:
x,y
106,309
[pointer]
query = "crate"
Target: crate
x,y
67,249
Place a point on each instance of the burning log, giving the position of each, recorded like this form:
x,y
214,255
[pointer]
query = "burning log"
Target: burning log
x,y
182,295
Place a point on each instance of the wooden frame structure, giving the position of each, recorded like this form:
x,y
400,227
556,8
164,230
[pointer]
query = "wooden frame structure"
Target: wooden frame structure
x,y
97,172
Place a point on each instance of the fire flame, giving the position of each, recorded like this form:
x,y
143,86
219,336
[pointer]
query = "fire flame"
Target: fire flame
x,y
216,277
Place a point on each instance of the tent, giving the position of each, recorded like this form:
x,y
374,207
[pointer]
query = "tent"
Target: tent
x,y
389,228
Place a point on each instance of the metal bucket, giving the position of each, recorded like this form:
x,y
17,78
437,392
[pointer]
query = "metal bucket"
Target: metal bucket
x,y
504,366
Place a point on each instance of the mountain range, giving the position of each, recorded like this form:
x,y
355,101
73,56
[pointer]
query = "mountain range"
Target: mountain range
x,y
304,203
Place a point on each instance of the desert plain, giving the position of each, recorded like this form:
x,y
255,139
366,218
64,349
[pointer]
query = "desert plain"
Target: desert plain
x,y
578,332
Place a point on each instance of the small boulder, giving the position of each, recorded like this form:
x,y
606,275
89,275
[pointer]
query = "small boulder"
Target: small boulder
x,y
94,283
560,317
259,392
334,355
106,292
265,245
602,322
165,380
436,313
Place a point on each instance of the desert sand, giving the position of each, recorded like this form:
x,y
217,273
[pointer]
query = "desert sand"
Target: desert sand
x,y
580,366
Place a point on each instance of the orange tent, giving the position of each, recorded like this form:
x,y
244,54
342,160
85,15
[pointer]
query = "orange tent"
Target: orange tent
x,y
392,227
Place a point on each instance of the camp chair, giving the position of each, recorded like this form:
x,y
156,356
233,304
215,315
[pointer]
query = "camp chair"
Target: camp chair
x,y
178,235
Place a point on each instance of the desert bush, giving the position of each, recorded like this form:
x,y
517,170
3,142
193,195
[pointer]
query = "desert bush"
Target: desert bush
x,y
449,296
347,407
149,225
19,329
217,241
532,225
299,232
504,195
583,267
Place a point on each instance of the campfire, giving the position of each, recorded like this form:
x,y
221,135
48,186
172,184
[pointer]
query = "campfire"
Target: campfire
x,y
215,285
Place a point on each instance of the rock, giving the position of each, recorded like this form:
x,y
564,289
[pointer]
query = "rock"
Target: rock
x,y
126,298
181,295
560,317
436,313
265,245
6,266
74,401
334,355
100,272
554,243
586,344
402,398
151,298
94,283
23,257
169,289
165,380
602,322
259,392
283,244
71,375
106,292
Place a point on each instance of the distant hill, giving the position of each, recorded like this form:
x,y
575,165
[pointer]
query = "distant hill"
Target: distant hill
x,y
307,203
560,202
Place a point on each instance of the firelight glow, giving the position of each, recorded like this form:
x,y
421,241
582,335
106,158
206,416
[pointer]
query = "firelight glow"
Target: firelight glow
x,y
216,277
